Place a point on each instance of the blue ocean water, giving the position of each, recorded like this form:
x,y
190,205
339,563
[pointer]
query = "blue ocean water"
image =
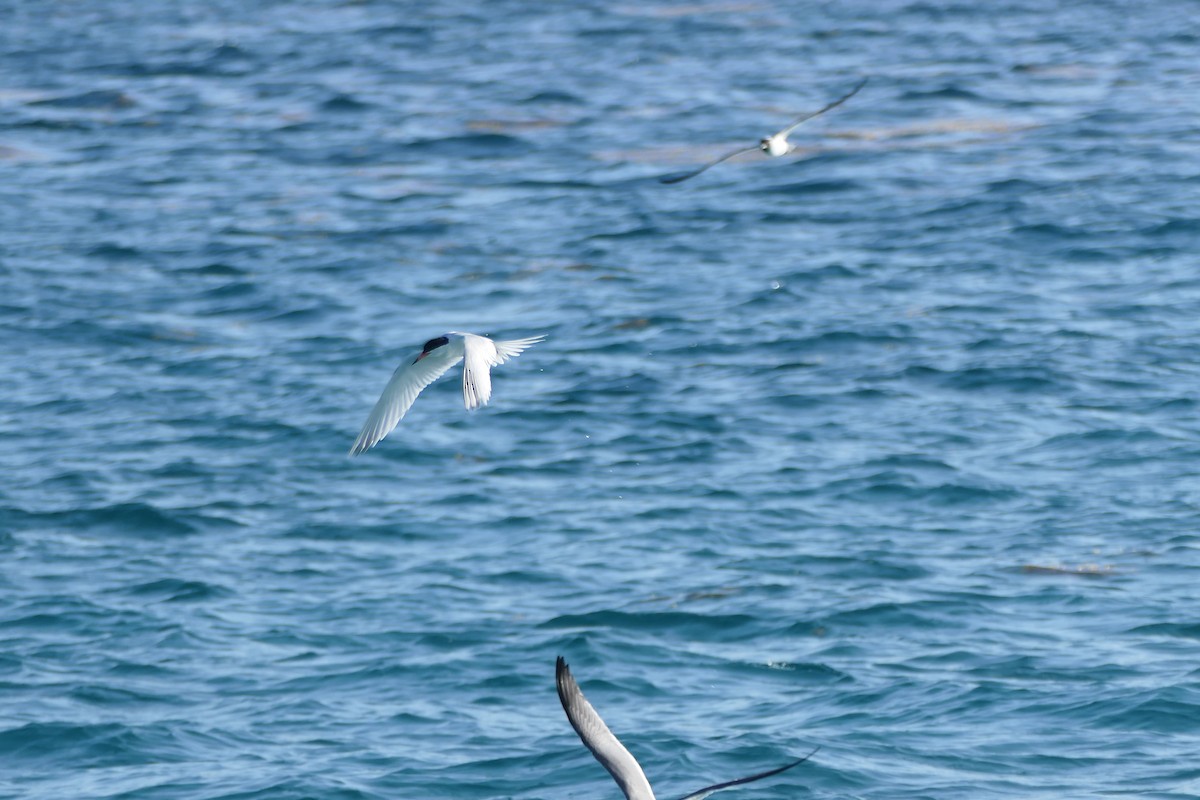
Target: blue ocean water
x,y
889,447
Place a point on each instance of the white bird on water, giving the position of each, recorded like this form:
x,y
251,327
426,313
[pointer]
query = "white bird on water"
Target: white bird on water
x,y
613,756
774,145
479,354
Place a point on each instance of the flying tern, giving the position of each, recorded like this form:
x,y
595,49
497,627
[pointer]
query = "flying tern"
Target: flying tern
x,y
479,354
775,145
613,756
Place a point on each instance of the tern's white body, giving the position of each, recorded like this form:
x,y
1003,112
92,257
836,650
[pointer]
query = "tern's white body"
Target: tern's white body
x,y
478,354
777,145
612,755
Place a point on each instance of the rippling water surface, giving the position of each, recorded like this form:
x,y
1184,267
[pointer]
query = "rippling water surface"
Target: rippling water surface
x,y
889,447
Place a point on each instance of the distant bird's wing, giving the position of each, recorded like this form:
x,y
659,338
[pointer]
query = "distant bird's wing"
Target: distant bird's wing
x,y
398,396
784,133
700,794
611,754
695,172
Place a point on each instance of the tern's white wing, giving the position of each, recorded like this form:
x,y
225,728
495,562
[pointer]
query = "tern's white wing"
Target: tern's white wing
x,y
611,754
514,347
398,396
784,133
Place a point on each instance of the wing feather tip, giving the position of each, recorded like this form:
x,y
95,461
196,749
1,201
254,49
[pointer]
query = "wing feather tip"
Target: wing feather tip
x,y
563,680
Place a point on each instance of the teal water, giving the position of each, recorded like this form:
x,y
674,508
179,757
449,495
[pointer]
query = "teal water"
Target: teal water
x,y
890,447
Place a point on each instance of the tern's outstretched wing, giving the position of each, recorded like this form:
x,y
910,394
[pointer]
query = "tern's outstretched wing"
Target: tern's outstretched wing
x,y
407,382
695,172
611,754
784,133
700,794
514,347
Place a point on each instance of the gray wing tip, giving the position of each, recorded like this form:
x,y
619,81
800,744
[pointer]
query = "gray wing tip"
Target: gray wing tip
x,y
562,678
800,760
569,693
700,794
